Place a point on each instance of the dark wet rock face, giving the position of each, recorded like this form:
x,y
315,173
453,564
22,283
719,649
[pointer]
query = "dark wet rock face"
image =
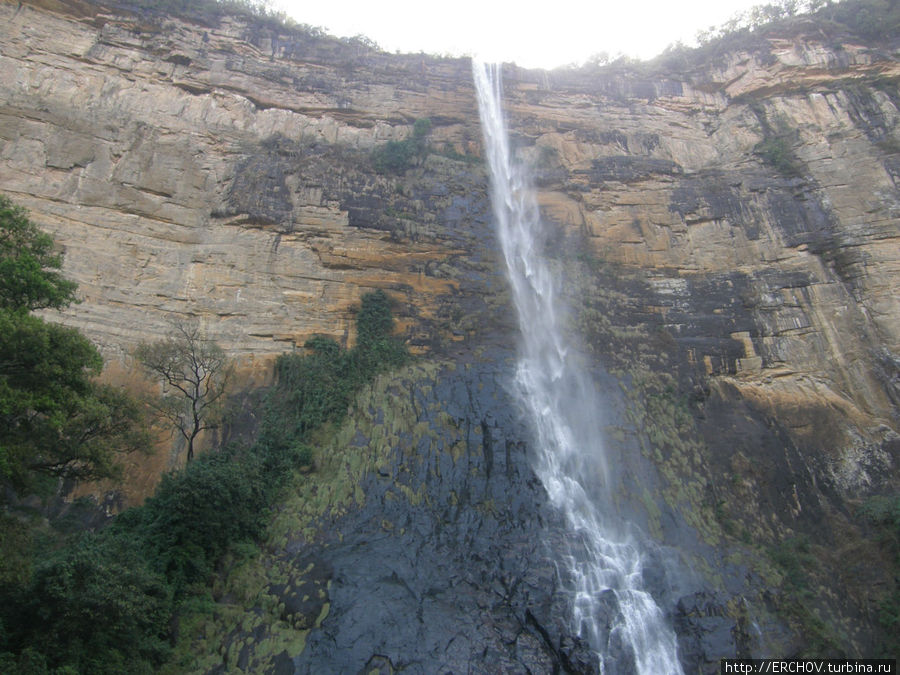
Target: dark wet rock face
x,y
704,628
454,561
463,577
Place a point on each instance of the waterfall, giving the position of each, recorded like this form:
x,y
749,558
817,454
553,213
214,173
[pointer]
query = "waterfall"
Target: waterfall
x,y
619,619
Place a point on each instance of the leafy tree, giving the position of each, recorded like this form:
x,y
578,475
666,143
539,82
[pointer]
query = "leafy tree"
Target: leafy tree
x,y
197,513
195,374
29,276
55,420
45,372
96,607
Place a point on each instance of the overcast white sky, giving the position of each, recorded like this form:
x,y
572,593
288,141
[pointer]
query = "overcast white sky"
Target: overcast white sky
x,y
545,34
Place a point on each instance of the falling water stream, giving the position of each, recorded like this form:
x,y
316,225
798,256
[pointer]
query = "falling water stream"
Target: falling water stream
x,y
612,611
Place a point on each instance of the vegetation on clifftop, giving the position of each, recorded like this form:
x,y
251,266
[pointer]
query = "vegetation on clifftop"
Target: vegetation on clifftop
x,y
827,20
866,18
257,9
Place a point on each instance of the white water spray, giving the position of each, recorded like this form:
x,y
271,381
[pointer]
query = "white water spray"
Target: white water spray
x,y
619,619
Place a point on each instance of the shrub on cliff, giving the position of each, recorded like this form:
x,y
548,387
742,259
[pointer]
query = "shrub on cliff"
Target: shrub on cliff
x,y
398,156
776,151
316,388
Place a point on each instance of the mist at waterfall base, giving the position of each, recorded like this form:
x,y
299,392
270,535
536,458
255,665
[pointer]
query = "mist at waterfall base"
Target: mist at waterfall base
x,y
605,564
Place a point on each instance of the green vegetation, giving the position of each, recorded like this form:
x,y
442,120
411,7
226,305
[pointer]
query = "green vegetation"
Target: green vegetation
x,y
29,265
760,16
883,512
872,19
776,152
109,602
398,156
795,559
776,148
257,9
799,563
55,420
195,515
316,388
92,607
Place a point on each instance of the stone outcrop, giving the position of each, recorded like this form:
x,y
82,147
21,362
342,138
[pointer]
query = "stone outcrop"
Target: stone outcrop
x,y
727,227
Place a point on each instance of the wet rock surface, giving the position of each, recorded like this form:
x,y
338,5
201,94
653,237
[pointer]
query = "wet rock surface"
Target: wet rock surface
x,y
466,576
453,561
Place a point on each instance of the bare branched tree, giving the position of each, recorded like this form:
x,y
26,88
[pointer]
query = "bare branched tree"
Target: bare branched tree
x,y
194,373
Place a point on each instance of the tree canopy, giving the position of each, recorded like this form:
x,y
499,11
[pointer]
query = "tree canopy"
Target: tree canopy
x,y
29,266
55,420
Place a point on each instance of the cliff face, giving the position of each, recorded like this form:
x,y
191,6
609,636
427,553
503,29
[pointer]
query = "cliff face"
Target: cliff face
x,y
222,172
727,229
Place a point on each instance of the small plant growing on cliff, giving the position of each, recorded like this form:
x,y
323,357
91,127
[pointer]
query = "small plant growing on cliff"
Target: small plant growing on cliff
x,y
776,147
398,156
776,152
194,373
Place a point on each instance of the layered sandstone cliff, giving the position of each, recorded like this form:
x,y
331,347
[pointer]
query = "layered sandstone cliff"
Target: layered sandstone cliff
x,y
220,172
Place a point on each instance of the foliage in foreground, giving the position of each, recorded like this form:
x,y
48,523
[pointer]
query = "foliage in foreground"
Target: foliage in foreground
x,y
107,602
56,421
29,265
